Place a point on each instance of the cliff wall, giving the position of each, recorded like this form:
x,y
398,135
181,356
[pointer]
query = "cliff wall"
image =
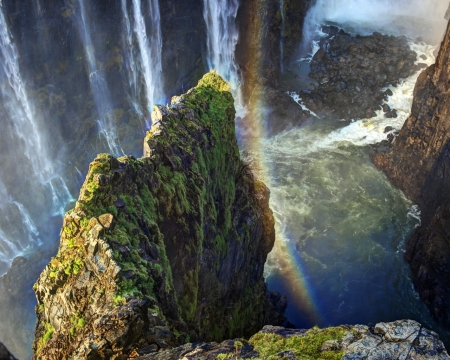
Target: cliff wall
x,y
163,249
418,163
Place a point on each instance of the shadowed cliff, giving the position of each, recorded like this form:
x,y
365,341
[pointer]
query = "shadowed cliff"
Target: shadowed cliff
x,y
418,164
163,249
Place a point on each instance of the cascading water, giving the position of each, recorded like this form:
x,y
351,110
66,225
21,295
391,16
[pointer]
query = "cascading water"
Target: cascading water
x,y
144,61
283,25
32,170
99,87
220,18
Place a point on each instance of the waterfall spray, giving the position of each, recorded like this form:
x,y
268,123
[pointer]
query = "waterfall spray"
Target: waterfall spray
x,y
412,18
33,167
220,18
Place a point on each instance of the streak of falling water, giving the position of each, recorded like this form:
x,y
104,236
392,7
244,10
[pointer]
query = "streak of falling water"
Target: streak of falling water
x,y
128,40
283,24
220,18
29,168
99,87
144,62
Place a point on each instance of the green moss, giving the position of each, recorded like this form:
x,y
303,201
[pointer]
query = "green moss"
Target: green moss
x,y
47,335
186,189
306,346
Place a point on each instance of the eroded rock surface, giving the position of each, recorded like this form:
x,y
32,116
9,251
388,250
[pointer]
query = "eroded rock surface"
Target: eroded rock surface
x,y
403,339
163,249
419,164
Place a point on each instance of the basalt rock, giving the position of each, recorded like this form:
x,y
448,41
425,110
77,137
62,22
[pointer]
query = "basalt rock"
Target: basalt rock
x,y
351,71
403,339
419,163
165,248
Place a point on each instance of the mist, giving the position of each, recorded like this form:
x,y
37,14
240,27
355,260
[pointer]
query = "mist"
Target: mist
x,y
412,18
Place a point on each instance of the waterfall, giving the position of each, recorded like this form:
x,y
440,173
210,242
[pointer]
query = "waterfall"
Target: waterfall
x,y
99,87
220,18
145,62
129,51
30,169
283,24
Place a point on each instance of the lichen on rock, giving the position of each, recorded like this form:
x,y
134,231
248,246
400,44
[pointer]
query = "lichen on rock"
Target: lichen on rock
x,y
161,249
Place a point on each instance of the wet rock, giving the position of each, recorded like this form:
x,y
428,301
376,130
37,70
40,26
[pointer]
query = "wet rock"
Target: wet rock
x,y
391,114
418,163
386,108
365,64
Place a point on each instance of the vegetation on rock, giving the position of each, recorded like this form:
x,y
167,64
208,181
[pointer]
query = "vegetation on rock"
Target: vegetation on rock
x,y
175,240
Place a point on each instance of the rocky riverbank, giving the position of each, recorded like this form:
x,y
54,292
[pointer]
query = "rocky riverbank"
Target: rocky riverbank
x,y
418,164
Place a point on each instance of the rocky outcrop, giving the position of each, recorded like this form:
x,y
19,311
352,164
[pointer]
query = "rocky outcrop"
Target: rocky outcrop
x,y
165,248
404,339
351,71
418,164
5,354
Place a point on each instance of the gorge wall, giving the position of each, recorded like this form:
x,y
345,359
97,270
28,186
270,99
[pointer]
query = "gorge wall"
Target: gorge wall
x,y
418,163
163,249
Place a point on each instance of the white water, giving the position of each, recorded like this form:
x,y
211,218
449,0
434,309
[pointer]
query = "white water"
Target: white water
x,y
371,131
34,162
222,37
412,18
99,87
144,61
131,64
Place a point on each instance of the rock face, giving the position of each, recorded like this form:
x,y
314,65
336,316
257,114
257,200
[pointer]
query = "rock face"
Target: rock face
x,y
418,164
404,339
161,249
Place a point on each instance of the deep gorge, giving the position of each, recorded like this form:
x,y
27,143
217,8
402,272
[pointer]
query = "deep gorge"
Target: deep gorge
x,y
80,78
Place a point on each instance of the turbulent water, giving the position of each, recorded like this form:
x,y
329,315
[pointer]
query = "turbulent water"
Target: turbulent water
x,y
341,225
